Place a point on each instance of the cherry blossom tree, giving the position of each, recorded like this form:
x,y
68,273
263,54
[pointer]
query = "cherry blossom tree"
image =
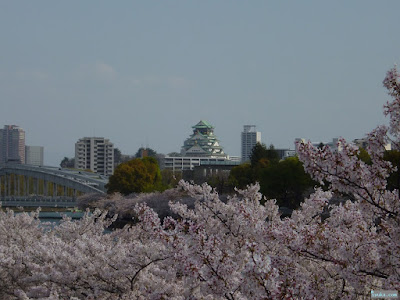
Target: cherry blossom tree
x,y
235,249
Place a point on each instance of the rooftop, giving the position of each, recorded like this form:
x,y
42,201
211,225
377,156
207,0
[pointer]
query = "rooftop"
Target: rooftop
x,y
203,124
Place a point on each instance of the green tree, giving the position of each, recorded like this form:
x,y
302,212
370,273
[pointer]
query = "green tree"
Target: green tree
x,y
155,173
241,176
364,156
170,178
262,156
135,176
117,156
150,152
67,162
174,154
393,181
286,182
221,183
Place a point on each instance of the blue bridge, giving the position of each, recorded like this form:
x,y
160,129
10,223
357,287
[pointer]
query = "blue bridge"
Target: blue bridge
x,y
26,185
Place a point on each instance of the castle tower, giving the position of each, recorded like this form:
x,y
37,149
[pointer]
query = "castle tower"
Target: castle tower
x,y
203,142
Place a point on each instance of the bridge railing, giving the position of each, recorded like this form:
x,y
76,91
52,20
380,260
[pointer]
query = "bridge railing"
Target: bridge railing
x,y
38,201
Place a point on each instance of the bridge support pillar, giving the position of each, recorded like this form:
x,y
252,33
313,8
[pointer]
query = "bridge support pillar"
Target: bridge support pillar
x,y
15,177
8,184
4,180
5,185
26,179
2,186
45,183
35,186
54,189
18,185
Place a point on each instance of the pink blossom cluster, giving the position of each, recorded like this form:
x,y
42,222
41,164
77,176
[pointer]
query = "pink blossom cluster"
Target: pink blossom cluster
x,y
235,249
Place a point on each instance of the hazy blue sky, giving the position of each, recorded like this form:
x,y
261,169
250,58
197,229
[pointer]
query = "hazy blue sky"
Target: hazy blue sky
x,y
143,72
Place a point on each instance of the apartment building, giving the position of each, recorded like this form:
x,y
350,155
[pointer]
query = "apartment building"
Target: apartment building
x,y
95,154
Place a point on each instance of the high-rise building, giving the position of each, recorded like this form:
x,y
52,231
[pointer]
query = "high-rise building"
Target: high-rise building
x,y
12,144
250,137
34,155
95,154
203,142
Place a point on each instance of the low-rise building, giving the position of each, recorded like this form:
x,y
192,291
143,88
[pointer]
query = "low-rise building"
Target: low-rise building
x,y
333,145
285,153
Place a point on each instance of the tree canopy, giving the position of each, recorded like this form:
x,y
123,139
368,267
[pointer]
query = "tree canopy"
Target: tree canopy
x,y
67,162
117,156
149,152
135,176
262,156
286,181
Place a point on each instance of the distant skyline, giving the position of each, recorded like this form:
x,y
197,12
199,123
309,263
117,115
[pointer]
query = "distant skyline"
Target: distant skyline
x,y
142,73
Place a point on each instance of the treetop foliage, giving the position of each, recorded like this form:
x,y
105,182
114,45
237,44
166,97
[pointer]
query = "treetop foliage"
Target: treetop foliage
x,y
147,151
67,162
261,155
135,176
285,181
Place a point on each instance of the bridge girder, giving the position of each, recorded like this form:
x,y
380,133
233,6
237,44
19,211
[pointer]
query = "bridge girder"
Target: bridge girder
x,y
77,182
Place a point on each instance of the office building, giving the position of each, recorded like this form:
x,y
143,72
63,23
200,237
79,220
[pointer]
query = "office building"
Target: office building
x,y
95,154
34,155
12,144
250,137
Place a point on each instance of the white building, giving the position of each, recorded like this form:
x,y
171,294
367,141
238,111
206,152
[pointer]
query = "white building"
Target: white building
x,y
182,163
334,145
95,154
34,155
363,143
250,137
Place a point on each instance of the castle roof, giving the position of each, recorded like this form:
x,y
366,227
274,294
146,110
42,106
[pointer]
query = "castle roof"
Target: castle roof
x,y
203,124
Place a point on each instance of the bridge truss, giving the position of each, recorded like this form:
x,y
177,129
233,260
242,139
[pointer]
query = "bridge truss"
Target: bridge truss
x,y
28,185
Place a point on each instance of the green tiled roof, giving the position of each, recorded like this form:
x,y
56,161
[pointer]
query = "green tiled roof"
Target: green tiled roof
x,y
203,124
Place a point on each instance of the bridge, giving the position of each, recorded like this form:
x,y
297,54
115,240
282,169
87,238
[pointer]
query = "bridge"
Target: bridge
x,y
27,185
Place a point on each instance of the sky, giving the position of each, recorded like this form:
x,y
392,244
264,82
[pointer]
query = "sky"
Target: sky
x,y
142,73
